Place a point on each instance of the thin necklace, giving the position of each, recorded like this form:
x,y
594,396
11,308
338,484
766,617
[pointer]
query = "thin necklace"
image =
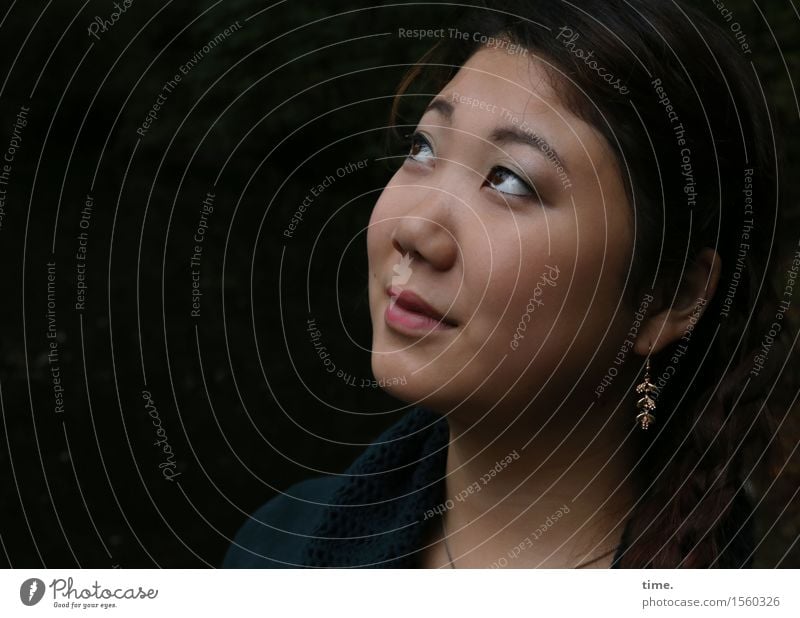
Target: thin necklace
x,y
446,546
453,565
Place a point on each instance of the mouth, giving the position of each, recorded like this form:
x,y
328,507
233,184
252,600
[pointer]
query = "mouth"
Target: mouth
x,y
408,313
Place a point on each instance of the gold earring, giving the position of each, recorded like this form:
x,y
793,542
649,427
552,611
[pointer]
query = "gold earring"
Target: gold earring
x,y
646,404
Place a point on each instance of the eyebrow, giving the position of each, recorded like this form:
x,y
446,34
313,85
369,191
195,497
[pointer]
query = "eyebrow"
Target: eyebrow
x,y
503,134
443,107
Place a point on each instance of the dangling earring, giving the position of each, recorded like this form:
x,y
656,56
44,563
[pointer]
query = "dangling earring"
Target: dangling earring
x,y
646,405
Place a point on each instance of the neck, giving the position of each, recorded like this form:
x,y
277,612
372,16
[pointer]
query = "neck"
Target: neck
x,y
543,491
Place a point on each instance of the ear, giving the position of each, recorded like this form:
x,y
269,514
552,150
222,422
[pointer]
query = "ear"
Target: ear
x,y
695,292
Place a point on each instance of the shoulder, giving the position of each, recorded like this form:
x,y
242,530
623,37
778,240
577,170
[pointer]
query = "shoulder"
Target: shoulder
x,y
273,536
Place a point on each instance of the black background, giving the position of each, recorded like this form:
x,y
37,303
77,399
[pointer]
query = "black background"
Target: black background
x,y
248,407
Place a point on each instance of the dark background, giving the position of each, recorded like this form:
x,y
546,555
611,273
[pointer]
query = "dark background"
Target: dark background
x,y
246,404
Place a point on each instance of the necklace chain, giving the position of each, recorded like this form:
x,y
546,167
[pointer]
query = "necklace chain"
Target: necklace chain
x,y
453,564
447,546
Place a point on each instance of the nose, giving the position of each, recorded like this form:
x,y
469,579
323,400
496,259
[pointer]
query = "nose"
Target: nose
x,y
425,232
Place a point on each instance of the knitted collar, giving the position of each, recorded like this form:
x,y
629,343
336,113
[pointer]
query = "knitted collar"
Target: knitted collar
x,y
375,518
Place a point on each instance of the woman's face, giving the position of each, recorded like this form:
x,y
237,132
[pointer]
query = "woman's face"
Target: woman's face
x,y
510,220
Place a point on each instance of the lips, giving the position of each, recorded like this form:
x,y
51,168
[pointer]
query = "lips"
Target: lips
x,y
407,309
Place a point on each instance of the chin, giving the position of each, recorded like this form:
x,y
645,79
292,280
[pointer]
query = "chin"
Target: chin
x,y
391,377
397,378
424,388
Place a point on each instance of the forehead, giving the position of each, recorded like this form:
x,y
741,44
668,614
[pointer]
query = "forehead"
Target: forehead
x,y
501,75
495,87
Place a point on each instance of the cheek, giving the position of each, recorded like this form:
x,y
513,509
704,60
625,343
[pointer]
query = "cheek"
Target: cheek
x,y
537,299
379,230
602,262
535,268
567,296
498,281
547,279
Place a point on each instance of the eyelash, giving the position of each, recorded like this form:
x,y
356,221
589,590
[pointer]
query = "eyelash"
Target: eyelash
x,y
419,138
415,138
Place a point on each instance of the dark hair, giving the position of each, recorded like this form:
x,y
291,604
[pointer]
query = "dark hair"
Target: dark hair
x,y
691,128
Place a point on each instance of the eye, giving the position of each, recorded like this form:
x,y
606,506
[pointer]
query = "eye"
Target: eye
x,y
505,181
421,150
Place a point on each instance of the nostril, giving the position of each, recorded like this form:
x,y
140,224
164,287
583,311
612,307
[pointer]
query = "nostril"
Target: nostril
x,y
398,247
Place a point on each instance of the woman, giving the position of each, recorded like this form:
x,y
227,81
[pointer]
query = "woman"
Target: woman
x,y
571,276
